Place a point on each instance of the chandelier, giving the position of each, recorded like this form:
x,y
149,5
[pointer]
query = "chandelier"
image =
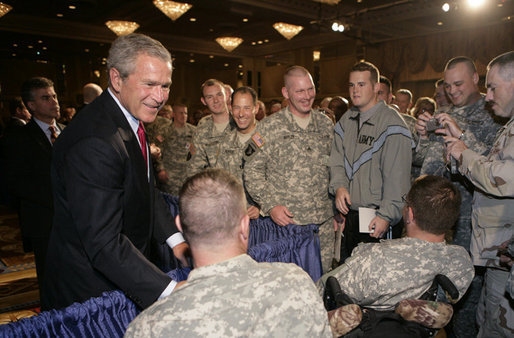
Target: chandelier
x,y
229,43
4,9
287,30
122,27
172,9
328,2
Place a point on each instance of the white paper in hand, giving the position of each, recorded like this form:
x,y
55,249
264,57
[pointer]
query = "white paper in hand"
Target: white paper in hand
x,y
366,215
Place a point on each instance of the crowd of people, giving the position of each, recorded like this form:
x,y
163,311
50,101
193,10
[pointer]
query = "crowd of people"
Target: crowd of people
x,y
433,178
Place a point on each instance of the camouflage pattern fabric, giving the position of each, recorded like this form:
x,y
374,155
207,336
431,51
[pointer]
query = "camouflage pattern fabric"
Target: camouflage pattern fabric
x,y
480,130
434,315
495,315
379,275
238,298
344,319
155,129
410,121
231,155
287,165
492,224
207,144
176,148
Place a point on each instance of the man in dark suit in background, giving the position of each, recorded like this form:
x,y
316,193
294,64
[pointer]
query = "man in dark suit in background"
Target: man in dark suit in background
x,y
108,212
28,152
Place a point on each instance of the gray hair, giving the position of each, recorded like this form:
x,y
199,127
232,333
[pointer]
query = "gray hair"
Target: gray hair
x,y
505,63
125,50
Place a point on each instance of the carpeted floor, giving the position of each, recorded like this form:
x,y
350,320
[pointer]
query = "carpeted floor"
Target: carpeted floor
x,y
18,281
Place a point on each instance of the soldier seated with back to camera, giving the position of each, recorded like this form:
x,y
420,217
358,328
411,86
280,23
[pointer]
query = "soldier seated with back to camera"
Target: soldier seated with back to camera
x,y
379,275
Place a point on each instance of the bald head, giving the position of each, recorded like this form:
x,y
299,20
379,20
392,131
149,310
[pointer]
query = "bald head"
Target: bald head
x,y
90,92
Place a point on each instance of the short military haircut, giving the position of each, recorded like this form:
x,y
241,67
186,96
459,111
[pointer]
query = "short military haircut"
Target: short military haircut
x,y
363,66
505,63
210,83
246,90
461,59
387,82
404,92
294,71
28,87
125,50
439,83
435,203
15,104
212,204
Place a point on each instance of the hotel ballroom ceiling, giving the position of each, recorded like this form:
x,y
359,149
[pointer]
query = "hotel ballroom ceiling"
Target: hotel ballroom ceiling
x,y
65,25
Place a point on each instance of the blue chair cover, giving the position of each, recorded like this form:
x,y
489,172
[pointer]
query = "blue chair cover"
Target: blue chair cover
x,y
104,316
297,244
164,258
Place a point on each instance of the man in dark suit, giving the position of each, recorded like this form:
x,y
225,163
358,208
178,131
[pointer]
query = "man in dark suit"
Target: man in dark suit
x,y
28,160
108,213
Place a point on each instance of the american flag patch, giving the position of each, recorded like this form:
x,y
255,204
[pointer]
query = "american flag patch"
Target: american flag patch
x,y
257,139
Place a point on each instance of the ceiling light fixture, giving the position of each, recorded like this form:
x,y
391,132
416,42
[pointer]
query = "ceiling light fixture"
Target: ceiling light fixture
x,y
328,2
287,30
316,54
122,27
475,3
229,43
4,9
446,7
338,27
172,9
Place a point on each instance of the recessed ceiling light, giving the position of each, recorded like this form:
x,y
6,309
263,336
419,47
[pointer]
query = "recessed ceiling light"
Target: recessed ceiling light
x,y
44,48
13,54
440,23
253,43
240,66
72,7
446,7
241,73
226,64
192,19
266,40
86,50
259,42
211,30
245,20
192,60
15,45
38,53
500,5
211,56
59,15
40,41
30,47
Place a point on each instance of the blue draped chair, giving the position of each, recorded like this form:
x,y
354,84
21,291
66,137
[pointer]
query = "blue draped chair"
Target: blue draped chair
x,y
104,316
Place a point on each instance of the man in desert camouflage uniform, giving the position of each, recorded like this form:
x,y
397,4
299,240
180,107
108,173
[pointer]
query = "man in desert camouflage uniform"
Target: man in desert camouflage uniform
x,y
478,130
493,201
244,108
286,162
212,128
379,275
228,294
176,147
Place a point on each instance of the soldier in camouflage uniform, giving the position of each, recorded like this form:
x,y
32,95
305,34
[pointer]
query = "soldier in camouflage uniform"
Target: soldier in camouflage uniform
x,y
379,275
228,294
493,201
211,129
155,129
176,147
478,132
244,108
286,162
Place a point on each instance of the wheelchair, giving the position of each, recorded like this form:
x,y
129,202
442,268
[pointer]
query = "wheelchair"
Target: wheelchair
x,y
379,323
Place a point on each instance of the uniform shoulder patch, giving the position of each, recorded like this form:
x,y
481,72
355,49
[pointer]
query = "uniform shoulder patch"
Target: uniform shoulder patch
x,y
258,140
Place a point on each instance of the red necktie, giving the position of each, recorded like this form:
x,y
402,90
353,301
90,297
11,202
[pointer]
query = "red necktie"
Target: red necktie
x,y
53,134
142,140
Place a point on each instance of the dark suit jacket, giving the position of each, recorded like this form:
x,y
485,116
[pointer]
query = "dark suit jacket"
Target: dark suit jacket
x,y
107,213
29,156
